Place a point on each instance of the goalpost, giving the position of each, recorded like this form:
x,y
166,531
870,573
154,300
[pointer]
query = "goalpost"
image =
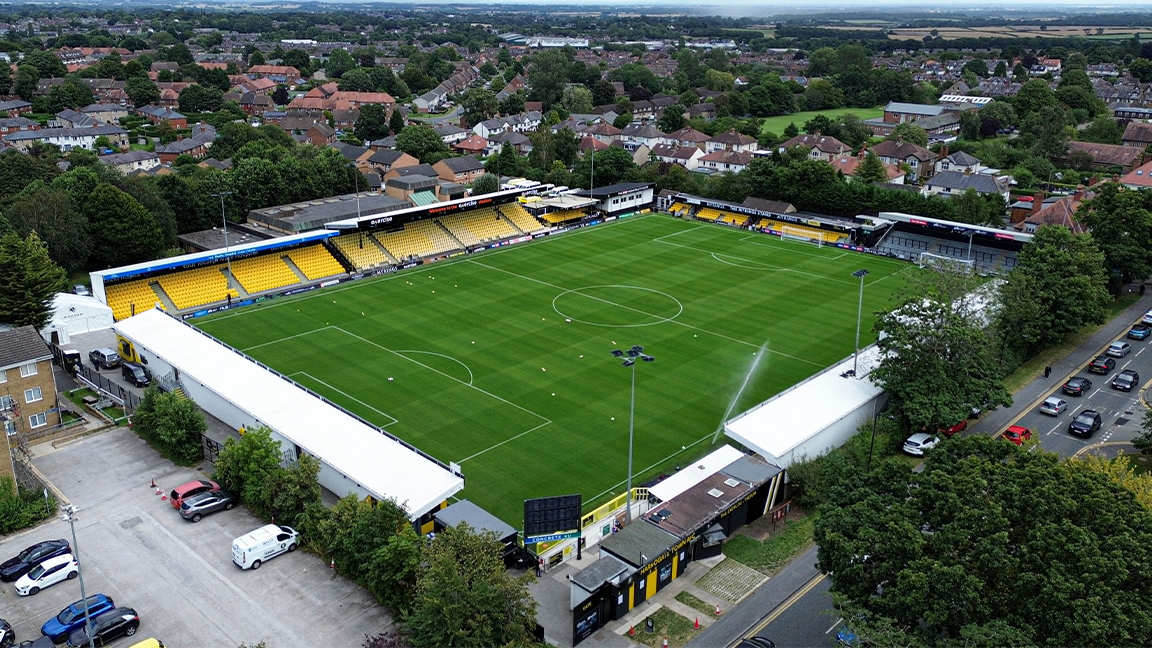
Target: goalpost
x,y
800,234
945,263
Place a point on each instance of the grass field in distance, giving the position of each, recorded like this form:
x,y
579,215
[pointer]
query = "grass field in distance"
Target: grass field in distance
x,y
778,123
500,361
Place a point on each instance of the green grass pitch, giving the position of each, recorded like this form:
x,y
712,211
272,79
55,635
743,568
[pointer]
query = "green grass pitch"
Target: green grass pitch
x,y
500,361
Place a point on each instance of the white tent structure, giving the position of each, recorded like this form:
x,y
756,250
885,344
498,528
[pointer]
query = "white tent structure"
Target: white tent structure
x,y
72,315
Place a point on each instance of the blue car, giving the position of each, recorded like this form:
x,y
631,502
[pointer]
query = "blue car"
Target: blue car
x,y
1140,331
71,618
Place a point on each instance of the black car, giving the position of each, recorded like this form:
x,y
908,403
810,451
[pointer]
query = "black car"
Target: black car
x,y
1085,424
195,507
23,563
756,642
135,374
122,622
1140,332
1077,386
40,642
1102,364
1126,380
7,636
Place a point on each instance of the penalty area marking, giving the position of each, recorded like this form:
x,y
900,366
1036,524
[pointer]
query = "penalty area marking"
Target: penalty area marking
x,y
347,395
446,357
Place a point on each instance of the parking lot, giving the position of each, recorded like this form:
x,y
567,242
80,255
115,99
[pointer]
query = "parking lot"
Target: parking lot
x,y
179,576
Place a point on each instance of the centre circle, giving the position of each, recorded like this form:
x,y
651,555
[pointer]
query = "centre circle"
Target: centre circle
x,y
617,306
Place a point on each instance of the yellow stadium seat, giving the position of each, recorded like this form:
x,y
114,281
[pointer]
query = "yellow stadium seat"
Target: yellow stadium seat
x,y
126,299
418,239
520,217
316,262
263,273
361,250
708,214
563,216
478,226
196,287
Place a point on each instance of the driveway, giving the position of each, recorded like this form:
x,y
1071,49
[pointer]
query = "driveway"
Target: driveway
x,y
177,575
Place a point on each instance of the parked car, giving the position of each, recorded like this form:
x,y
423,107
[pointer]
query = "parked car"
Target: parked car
x,y
919,443
14,568
951,431
1053,405
135,374
1018,434
1140,332
1102,365
104,358
82,290
188,489
1147,319
123,622
1085,424
47,574
150,642
72,617
7,635
40,642
250,550
1126,380
756,642
197,506
1077,386
1119,349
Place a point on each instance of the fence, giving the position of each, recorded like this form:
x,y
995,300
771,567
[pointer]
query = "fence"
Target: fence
x,y
211,448
91,377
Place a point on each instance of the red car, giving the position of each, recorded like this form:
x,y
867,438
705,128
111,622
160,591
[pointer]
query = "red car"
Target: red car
x,y
194,487
1018,434
951,431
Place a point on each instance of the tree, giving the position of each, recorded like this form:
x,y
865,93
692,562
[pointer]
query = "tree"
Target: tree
x,y
396,122
512,104
1034,95
339,62
909,132
565,146
547,76
298,59
372,124
30,279
287,493
977,545
970,125
1001,70
1058,286
465,596
1121,224
393,570
53,216
357,80
603,92
938,361
1141,68
142,91
871,169
27,80
477,105
977,66
197,98
245,463
1002,112
280,95
171,423
73,94
257,58
122,230
613,165
577,99
485,184
716,80
672,119
1104,130
5,79
46,63
420,141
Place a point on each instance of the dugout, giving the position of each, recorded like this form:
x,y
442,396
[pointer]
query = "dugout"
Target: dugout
x,y
481,521
621,199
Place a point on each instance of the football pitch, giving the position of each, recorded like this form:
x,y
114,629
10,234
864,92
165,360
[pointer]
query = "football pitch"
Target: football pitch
x,y
501,361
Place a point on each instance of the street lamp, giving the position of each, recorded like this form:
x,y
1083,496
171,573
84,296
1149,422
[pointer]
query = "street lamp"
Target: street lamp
x,y
68,514
630,357
859,274
224,219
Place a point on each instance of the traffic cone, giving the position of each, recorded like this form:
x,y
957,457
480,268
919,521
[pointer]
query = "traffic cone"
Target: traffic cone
x,y
696,626
153,482
631,631
665,644
158,491
717,609
332,564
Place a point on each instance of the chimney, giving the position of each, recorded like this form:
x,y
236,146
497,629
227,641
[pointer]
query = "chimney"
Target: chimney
x,y
1079,192
1092,181
944,152
1037,202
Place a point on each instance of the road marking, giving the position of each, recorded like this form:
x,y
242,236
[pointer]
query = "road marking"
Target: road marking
x,y
1058,426
833,627
780,609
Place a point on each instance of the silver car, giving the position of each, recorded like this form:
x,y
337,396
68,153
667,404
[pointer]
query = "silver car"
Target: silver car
x,y
1053,405
1119,349
919,443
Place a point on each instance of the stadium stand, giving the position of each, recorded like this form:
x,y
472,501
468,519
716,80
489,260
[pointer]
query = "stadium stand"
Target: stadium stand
x,y
708,214
478,226
265,272
680,209
417,239
196,287
737,220
563,216
360,250
123,297
316,262
520,217
812,232
909,246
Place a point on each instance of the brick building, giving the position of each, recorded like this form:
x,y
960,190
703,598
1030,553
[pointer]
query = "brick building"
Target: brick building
x,y
27,388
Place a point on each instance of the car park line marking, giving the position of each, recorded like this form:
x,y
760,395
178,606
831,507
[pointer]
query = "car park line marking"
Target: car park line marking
x,y
1095,392
1058,426
833,626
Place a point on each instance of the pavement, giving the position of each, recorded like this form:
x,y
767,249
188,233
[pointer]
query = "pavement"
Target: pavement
x,y
177,575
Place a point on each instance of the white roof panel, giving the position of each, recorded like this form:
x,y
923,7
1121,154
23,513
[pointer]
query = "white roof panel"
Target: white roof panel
x,y
689,476
780,424
381,464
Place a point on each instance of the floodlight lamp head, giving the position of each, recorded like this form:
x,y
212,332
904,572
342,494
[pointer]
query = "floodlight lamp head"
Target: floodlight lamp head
x,y
647,358
860,274
637,348
633,353
629,362
616,353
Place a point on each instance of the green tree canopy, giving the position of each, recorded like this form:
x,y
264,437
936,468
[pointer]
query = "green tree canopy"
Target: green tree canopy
x,y
171,423
486,184
871,169
909,132
123,231
142,91
56,220
1121,224
30,279
477,105
421,142
372,124
245,463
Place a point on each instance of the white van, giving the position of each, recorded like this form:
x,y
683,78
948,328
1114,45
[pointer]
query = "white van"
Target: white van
x,y
252,549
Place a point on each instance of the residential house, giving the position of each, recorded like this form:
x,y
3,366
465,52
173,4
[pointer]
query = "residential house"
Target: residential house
x,y
462,170
602,131
1138,178
1138,134
1107,155
69,118
67,139
203,135
954,183
108,113
848,164
641,154
820,147
898,112
15,107
345,120
702,110
688,136
357,155
253,103
958,161
946,123
723,161
731,141
257,86
686,156
131,161
320,134
474,145
920,160
157,114
108,91
28,399
518,141
1054,211
277,73
645,134
385,160
450,133
420,169
521,123
15,124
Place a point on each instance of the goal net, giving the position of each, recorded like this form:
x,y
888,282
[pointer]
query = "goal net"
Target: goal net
x,y
944,263
801,234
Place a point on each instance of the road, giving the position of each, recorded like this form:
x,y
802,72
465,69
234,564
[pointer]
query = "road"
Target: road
x,y
809,621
